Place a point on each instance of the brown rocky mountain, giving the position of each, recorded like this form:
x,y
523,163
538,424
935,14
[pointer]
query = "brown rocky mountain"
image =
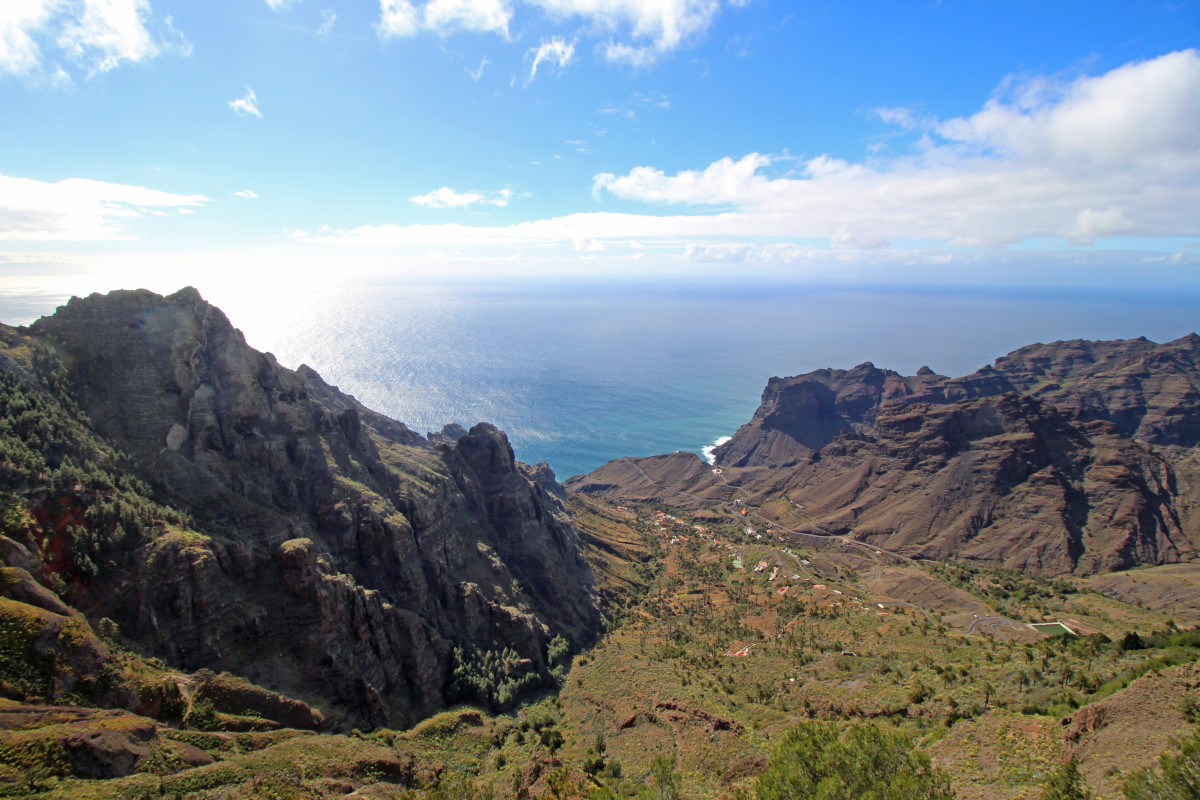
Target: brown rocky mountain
x,y
1073,456
1150,392
325,551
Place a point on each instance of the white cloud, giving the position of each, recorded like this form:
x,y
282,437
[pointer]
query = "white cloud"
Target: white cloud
x,y
636,56
19,53
905,118
555,50
1138,113
639,31
469,15
723,182
588,245
639,101
653,28
107,33
477,73
246,106
279,5
718,253
78,209
247,194
328,19
446,197
1114,155
402,18
99,35
397,18
1117,154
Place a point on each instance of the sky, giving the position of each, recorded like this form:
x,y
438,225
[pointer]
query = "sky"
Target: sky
x,y
251,143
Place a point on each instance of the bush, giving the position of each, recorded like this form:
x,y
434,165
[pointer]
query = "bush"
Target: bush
x,y
558,651
1177,777
1132,642
865,762
1066,783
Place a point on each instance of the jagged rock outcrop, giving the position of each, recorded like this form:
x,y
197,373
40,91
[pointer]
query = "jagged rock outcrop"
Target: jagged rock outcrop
x,y
1073,456
332,553
1150,392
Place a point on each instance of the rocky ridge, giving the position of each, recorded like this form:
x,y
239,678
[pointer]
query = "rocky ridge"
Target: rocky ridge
x,y
1073,456
330,553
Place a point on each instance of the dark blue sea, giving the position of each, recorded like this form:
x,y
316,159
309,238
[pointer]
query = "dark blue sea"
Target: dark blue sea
x,y
580,373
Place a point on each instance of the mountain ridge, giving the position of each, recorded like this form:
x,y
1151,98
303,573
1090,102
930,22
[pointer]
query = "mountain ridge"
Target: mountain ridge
x,y
325,550
1069,457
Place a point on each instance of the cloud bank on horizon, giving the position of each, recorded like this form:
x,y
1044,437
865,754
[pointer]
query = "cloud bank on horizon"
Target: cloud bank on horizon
x,y
1111,155
586,132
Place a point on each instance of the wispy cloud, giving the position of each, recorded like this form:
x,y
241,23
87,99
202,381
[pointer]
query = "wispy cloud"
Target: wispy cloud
x,y
1112,155
78,209
638,32
446,197
246,106
638,103
555,51
247,194
328,19
279,5
477,73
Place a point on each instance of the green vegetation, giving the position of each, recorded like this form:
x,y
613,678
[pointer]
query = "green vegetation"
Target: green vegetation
x,y
64,492
862,763
712,681
1013,594
1066,783
1177,776
492,678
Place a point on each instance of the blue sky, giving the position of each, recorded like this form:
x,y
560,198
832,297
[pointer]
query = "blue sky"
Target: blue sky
x,y
164,142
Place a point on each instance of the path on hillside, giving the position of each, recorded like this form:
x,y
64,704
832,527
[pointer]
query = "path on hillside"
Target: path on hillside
x,y
992,623
844,538
906,605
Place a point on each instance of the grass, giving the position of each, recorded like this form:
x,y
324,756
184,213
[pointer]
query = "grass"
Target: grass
x,y
659,684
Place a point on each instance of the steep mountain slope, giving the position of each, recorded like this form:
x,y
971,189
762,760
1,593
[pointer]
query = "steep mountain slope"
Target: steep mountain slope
x,y
1073,456
300,539
1149,391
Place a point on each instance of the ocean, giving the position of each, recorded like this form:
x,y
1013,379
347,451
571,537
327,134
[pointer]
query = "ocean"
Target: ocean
x,y
580,373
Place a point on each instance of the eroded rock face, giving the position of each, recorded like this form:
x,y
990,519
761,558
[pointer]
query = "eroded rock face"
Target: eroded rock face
x,y
1005,480
1150,392
336,555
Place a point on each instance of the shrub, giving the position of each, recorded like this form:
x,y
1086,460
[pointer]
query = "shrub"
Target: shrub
x,y
1177,777
1066,783
865,762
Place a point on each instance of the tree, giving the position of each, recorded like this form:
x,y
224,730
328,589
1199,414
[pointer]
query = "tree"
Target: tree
x,y
666,781
1066,783
862,763
1177,778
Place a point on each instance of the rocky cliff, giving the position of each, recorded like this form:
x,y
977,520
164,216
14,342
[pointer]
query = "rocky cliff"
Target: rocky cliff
x,y
1150,392
312,545
1072,456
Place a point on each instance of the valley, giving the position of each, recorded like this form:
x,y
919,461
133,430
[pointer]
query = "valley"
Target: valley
x,y
226,579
